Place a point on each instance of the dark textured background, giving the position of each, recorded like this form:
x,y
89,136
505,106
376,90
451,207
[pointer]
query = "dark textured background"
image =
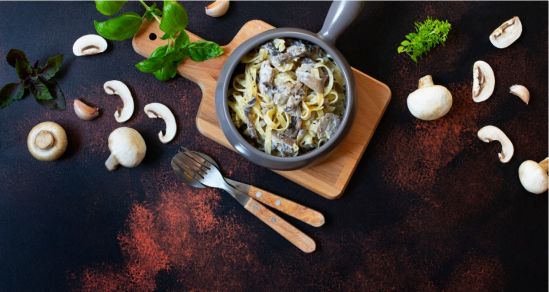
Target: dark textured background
x,y
430,207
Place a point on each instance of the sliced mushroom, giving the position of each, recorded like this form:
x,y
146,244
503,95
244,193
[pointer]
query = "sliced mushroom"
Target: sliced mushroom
x,y
217,8
47,141
89,44
84,111
533,176
520,91
491,133
507,33
483,81
115,87
157,110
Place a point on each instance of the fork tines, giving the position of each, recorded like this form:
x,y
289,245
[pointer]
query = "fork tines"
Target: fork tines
x,y
193,163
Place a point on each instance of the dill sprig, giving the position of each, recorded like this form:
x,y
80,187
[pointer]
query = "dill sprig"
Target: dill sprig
x,y
429,34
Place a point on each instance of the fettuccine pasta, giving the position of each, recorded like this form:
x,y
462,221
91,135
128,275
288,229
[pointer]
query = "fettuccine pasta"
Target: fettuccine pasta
x,y
289,99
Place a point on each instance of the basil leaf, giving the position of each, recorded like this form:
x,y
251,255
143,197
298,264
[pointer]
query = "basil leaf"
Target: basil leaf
x,y
151,64
16,55
204,50
167,72
40,90
174,18
10,93
154,62
182,40
58,102
119,28
160,51
108,7
52,67
22,69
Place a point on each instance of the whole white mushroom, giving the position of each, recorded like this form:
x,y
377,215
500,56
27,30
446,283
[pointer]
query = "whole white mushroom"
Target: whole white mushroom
x,y
429,102
127,148
47,141
533,176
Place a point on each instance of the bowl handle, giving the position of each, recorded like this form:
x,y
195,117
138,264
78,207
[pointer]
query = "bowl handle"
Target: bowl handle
x,y
340,16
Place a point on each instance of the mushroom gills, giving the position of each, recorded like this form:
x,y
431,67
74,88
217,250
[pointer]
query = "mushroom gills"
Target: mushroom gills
x,y
157,110
89,44
115,87
507,33
492,133
484,81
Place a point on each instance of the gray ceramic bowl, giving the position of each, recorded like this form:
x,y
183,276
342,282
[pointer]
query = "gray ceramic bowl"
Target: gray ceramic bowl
x,y
340,15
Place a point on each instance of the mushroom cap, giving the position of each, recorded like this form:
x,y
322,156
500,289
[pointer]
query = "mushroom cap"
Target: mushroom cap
x,y
533,177
430,103
128,146
47,141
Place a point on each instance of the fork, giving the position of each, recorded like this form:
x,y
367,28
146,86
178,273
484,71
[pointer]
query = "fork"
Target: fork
x,y
286,206
194,168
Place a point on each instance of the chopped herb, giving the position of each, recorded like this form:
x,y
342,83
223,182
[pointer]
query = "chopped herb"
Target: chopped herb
x,y
429,34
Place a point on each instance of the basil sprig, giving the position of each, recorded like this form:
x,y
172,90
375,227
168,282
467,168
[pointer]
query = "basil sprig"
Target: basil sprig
x,y
173,20
34,79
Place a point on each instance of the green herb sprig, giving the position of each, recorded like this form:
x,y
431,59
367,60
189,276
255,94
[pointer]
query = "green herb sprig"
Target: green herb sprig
x,y
429,34
34,79
173,20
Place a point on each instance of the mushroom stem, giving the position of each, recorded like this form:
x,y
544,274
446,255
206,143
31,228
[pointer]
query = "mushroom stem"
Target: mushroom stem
x,y
47,141
111,162
44,140
544,164
425,81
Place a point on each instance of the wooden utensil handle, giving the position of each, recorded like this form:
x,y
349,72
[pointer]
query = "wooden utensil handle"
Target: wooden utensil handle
x,y
288,231
300,212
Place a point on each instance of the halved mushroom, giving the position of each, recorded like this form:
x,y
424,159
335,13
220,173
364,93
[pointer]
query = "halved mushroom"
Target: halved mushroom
x,y
47,141
483,81
157,110
520,91
507,33
115,87
89,44
533,176
84,111
217,8
491,133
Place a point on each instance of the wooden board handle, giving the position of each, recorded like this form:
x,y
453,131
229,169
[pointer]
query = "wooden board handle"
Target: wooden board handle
x,y
298,211
282,227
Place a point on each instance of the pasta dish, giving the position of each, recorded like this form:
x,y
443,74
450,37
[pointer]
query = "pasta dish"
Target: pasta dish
x,y
289,99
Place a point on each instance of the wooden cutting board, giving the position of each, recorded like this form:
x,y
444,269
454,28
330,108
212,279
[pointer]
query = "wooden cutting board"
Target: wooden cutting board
x,y
327,178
